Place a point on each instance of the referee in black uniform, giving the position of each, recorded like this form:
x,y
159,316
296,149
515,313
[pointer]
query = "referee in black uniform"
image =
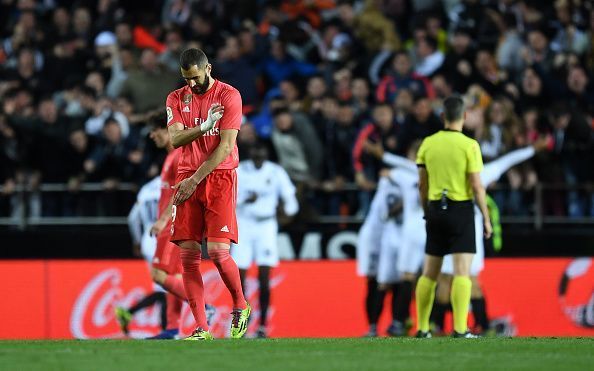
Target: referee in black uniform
x,y
449,179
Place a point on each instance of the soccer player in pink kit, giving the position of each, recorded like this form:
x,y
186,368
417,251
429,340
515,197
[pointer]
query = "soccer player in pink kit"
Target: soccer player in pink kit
x,y
203,119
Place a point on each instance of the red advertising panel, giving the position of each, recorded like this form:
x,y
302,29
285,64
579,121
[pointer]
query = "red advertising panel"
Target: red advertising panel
x,y
76,299
542,297
23,312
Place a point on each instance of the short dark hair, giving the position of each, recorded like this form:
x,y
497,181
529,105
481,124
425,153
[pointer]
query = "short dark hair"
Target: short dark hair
x,y
431,41
157,121
453,108
192,57
280,111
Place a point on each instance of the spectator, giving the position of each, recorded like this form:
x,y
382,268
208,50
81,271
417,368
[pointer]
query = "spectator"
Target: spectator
x,y
428,57
103,112
380,130
533,92
9,158
573,137
459,60
27,74
297,147
375,30
403,105
488,74
279,66
203,30
232,68
122,61
48,147
124,35
361,98
569,38
174,46
496,138
315,91
420,123
507,54
401,76
537,51
60,29
340,145
291,94
148,87
580,90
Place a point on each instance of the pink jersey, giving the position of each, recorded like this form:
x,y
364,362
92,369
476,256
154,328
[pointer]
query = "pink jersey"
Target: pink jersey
x,y
192,109
168,174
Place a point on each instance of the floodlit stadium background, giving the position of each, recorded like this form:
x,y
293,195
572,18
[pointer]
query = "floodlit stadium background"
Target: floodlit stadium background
x,y
71,69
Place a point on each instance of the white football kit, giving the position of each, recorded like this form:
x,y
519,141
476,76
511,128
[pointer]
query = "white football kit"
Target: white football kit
x,y
258,226
370,235
379,236
391,239
142,217
412,248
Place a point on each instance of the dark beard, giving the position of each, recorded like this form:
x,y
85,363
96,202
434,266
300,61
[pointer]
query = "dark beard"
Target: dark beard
x,y
201,88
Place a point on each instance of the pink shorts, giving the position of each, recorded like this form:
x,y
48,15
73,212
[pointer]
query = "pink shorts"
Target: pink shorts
x,y
209,212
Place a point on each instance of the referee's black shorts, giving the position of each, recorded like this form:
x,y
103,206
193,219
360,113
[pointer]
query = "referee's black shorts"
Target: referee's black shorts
x,y
451,230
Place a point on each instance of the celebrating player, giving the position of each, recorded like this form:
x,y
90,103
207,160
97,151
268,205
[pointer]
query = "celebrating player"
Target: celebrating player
x,y
412,241
262,184
205,197
377,246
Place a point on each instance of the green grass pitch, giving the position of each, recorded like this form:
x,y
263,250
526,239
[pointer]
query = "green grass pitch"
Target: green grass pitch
x,y
302,354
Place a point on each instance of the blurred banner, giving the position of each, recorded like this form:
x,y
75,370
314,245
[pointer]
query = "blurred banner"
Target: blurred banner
x,y
76,298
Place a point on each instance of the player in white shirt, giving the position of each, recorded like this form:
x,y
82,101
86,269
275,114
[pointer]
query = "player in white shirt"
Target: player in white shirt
x,y
412,247
377,248
261,186
140,220
142,217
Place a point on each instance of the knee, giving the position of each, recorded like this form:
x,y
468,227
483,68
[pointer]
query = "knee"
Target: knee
x,y
218,253
462,263
431,272
462,270
442,294
190,259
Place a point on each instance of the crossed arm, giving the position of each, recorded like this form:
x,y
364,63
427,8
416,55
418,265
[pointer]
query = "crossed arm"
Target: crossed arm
x,y
186,187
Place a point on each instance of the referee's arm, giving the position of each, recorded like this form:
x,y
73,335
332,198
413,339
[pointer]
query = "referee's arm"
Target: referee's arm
x,y
423,177
423,187
480,196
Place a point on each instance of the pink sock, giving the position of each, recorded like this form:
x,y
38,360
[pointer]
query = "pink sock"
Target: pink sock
x,y
230,275
174,306
175,285
193,285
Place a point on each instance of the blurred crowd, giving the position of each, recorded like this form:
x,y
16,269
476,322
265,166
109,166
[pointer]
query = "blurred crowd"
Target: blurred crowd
x,y
321,81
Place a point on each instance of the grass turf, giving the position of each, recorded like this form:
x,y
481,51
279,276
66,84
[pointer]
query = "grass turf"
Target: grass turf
x,y
302,354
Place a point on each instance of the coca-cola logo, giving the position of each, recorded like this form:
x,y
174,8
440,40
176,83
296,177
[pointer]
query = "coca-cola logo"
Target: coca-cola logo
x,y
93,313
